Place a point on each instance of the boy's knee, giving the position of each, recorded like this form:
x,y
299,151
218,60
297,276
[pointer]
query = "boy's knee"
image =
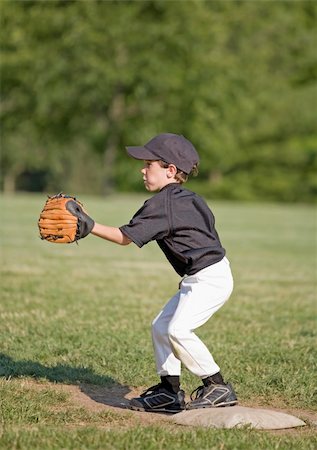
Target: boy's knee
x,y
175,331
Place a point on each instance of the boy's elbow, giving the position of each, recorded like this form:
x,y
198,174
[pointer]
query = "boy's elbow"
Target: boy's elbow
x,y
125,240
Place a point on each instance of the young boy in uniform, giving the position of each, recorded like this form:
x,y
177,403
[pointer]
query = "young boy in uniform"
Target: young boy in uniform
x,y
184,228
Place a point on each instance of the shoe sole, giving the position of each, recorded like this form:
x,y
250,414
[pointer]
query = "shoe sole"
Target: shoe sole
x,y
139,408
219,405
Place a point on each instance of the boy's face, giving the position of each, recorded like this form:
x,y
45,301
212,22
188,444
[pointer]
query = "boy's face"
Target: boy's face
x,y
155,176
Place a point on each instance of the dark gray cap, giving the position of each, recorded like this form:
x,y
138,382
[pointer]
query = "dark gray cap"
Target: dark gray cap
x,y
170,148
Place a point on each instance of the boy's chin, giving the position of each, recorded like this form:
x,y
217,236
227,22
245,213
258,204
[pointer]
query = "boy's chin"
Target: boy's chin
x,y
149,188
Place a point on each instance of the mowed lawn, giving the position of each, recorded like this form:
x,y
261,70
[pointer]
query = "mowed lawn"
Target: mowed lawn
x,y
75,315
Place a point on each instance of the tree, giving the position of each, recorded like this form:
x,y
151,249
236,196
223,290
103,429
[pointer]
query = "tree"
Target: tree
x,y
80,80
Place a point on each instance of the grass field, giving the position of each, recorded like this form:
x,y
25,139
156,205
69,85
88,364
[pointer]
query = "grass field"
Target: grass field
x,y
75,320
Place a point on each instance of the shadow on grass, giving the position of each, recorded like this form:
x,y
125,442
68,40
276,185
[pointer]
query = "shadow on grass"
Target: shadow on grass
x,y
100,388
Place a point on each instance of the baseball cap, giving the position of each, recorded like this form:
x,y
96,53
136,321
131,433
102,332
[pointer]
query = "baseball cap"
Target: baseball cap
x,y
170,148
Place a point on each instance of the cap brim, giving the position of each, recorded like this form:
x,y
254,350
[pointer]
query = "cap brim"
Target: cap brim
x,y
141,153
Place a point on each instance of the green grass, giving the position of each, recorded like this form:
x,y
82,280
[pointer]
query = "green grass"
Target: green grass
x,y
73,314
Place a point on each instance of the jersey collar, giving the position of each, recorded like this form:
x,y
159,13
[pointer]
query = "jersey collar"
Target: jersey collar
x,y
170,185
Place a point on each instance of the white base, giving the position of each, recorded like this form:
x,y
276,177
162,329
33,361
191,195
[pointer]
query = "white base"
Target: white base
x,y
237,416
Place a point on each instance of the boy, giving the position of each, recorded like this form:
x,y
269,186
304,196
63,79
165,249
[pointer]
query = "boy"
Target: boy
x,y
183,226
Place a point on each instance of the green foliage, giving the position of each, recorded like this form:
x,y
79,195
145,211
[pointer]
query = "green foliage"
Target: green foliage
x,y
80,80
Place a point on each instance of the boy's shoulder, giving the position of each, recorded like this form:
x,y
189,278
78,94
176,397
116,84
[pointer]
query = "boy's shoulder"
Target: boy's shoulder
x,y
176,193
176,190
184,192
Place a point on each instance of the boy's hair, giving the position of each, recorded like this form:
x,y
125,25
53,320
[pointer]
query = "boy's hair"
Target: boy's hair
x,y
181,176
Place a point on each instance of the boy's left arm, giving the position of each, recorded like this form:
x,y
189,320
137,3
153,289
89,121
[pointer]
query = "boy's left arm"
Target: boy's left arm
x,y
112,234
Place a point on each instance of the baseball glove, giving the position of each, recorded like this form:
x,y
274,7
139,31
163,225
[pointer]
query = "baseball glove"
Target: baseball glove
x,y
63,220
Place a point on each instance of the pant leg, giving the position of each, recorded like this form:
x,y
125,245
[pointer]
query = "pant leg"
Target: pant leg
x,y
166,362
200,297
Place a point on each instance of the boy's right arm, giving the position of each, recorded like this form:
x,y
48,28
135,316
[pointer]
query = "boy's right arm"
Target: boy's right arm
x,y
112,234
88,225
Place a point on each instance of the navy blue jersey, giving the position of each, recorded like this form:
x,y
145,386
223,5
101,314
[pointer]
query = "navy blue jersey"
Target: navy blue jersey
x,y
182,224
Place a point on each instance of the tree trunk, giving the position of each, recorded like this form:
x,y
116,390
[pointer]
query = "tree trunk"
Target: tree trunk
x,y
109,162
9,181
115,117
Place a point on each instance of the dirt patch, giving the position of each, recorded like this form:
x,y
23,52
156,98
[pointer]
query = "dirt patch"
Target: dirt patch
x,y
116,399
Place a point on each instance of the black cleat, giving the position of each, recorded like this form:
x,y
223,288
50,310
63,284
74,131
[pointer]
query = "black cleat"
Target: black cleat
x,y
159,399
213,396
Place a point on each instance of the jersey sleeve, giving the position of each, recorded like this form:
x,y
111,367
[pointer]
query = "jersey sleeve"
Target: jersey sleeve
x,y
149,223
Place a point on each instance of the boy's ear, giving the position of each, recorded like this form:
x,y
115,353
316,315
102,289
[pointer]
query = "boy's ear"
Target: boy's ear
x,y
172,171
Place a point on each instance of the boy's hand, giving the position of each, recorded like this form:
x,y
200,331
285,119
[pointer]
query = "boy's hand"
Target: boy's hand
x,y
85,223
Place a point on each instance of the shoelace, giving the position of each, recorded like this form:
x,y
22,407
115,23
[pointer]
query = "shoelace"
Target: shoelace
x,y
199,391
154,388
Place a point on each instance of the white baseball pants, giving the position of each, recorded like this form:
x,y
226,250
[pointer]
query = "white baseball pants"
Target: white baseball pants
x,y
174,341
